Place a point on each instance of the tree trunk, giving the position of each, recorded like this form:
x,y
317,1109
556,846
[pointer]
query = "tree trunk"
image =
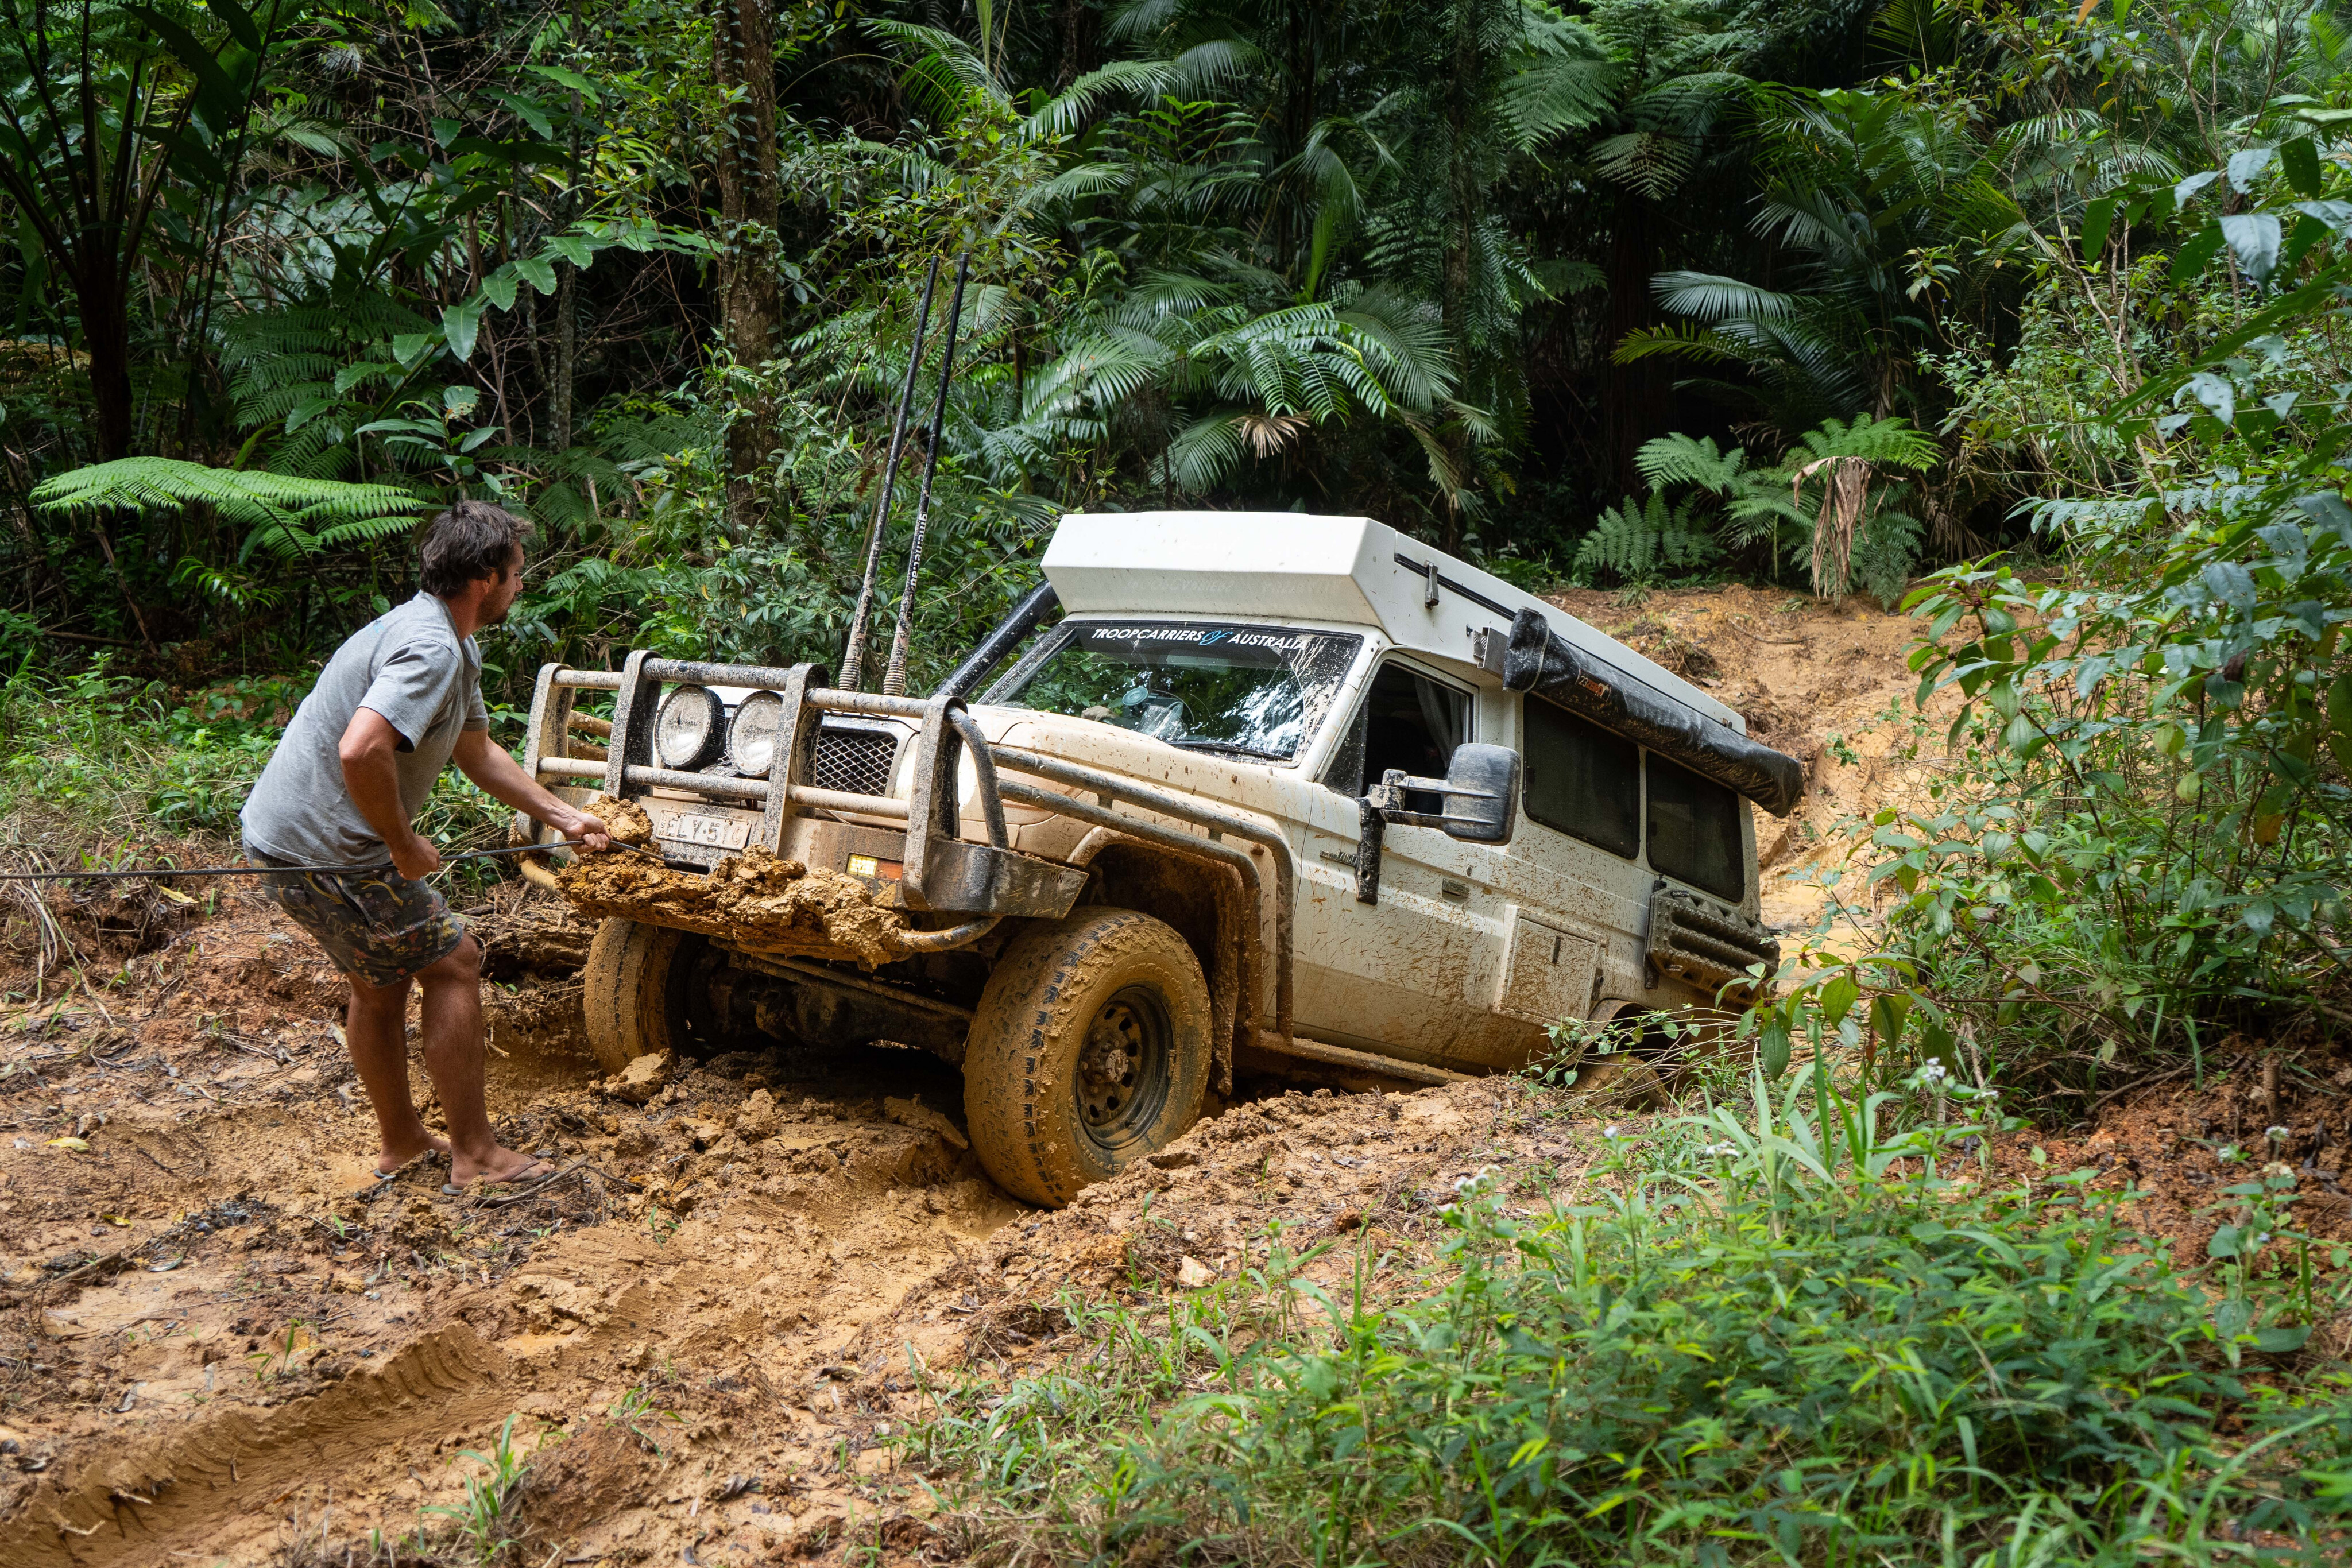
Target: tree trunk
x,y
105,338
743,46
567,355
1638,399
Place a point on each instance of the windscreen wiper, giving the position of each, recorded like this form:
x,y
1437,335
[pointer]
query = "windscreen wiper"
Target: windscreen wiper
x,y
1190,744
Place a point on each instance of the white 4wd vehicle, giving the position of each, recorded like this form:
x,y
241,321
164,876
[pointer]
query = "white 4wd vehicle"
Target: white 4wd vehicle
x,y
1298,794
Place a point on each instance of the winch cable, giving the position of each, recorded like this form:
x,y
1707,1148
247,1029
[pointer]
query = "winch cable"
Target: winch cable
x,y
447,861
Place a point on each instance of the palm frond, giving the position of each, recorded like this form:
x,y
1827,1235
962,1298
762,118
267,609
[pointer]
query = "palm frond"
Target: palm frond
x,y
1709,298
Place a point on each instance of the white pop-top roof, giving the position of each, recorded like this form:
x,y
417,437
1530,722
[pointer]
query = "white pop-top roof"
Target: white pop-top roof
x,y
1290,567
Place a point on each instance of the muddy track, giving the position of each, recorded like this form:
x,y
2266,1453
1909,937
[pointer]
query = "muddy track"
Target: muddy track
x,y
220,1337
211,1318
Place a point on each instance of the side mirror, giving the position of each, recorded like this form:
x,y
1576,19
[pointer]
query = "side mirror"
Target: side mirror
x,y
1481,793
1482,807
1481,789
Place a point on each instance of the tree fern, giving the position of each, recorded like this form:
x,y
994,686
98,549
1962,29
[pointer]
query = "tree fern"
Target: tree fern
x,y
1882,443
1640,542
1679,460
285,515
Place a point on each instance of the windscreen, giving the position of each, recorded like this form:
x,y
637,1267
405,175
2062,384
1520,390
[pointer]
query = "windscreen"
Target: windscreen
x,y
1247,691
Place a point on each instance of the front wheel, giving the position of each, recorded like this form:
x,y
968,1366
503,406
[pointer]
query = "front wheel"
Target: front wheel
x,y
639,990
1090,1050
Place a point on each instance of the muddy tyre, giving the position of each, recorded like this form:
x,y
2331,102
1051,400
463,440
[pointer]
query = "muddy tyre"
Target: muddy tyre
x,y
1089,1050
637,987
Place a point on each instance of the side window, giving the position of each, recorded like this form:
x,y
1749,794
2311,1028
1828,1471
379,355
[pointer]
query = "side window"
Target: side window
x,y
1582,780
1695,830
1406,721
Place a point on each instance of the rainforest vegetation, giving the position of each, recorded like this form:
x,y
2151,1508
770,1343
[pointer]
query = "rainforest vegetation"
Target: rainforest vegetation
x,y
2030,316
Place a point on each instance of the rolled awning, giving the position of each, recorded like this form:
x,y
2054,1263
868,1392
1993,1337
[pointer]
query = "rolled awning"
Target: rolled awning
x,y
1540,661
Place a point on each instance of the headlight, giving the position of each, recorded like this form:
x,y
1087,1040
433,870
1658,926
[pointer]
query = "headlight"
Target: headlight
x,y
752,736
690,728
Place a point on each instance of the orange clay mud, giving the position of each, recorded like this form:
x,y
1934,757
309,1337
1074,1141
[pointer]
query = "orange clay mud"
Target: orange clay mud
x,y
754,900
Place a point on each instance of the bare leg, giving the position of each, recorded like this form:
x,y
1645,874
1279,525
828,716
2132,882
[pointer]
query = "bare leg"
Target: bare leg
x,y
454,1057
376,1027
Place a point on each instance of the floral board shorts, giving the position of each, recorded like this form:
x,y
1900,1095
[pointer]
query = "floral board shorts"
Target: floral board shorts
x,y
377,925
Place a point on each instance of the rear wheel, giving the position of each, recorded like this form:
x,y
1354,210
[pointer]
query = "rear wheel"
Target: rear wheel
x,y
1089,1049
641,986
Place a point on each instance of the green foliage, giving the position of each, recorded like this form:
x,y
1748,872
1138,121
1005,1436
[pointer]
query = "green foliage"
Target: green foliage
x,y
480,1519
1643,541
93,762
1766,510
2155,848
286,516
1780,1334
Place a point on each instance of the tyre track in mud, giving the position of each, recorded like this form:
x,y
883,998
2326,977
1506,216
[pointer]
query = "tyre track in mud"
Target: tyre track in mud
x,y
313,1359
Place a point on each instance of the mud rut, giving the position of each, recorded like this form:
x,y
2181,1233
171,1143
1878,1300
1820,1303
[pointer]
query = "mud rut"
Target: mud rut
x,y
221,1341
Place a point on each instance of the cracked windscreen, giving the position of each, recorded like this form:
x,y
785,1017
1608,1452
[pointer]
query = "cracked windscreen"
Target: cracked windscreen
x,y
1243,691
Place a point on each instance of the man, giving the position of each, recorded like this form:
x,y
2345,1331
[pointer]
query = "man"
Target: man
x,y
397,703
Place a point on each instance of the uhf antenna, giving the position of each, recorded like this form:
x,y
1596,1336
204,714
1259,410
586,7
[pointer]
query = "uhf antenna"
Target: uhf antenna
x,y
855,658
894,677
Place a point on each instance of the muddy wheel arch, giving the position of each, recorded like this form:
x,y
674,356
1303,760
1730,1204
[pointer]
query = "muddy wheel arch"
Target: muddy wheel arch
x,y
1205,904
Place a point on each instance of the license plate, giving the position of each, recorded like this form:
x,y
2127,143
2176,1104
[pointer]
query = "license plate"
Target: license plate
x,y
712,833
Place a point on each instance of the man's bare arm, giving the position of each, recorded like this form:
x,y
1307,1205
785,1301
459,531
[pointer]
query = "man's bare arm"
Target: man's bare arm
x,y
503,778
369,745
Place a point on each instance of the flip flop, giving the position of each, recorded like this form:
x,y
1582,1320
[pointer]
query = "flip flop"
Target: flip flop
x,y
384,1179
531,1174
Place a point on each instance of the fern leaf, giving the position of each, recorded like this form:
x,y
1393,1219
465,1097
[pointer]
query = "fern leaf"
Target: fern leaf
x,y
1679,460
1638,542
288,514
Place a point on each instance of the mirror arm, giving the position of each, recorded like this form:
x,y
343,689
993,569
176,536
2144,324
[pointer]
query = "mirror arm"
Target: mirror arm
x,y
1372,827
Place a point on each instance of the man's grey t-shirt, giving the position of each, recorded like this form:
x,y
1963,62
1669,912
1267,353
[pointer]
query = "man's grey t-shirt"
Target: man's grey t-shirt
x,y
408,665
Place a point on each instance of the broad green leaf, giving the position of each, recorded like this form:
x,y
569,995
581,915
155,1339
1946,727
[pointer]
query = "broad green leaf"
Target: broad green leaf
x,y
2254,240
2300,160
459,324
2190,259
2098,219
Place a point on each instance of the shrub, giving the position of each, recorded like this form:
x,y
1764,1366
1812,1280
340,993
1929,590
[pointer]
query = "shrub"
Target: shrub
x,y
1762,1347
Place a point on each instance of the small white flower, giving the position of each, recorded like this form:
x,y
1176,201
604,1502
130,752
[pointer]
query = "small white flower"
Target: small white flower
x,y
2262,1239
2226,1152
2278,1134
1609,1131
1933,1073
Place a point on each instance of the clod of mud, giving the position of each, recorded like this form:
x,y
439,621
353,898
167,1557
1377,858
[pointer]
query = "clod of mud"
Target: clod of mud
x,y
626,819
640,1081
754,899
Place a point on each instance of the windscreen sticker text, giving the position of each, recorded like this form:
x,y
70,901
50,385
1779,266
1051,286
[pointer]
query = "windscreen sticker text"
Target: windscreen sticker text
x,y
1203,637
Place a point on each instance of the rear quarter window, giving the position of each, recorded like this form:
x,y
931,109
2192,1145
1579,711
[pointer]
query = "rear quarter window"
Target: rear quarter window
x,y
1581,781
1695,830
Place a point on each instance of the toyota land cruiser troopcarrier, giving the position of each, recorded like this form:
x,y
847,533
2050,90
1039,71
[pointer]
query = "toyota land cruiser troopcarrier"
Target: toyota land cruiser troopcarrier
x,y
1296,793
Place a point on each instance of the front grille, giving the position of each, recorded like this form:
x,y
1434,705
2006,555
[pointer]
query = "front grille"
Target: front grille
x,y
854,761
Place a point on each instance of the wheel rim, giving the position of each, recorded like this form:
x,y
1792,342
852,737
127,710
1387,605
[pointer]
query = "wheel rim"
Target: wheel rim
x,y
1123,1069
